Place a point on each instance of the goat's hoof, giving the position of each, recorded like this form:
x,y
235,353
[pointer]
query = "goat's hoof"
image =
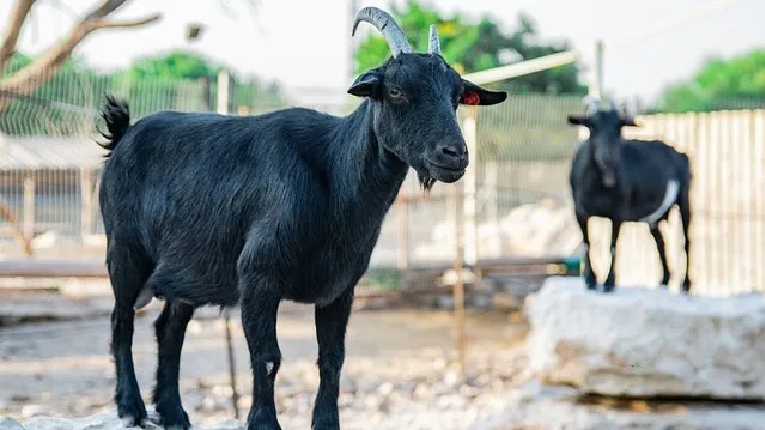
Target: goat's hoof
x,y
325,423
686,287
132,412
608,288
172,416
263,426
261,422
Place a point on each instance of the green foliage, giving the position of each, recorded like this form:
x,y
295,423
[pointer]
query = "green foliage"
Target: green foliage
x,y
720,84
175,65
475,46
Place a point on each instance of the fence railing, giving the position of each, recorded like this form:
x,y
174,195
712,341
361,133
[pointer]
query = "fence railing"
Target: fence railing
x,y
516,193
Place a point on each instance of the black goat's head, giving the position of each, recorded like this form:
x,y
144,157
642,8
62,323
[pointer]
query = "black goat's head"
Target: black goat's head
x,y
414,99
605,127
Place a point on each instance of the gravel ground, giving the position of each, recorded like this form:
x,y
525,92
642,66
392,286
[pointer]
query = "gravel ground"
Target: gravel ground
x,y
399,373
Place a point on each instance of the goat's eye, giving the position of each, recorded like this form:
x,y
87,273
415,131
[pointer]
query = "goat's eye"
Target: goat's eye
x,y
395,94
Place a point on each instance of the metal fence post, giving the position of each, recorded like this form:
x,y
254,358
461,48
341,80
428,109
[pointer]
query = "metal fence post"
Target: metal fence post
x,y
223,102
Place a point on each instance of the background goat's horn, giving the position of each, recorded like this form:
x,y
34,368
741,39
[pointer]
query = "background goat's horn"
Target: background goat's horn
x,y
592,103
386,25
434,47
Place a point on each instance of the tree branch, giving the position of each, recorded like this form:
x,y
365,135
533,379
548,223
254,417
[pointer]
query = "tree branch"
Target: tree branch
x,y
43,67
13,30
129,23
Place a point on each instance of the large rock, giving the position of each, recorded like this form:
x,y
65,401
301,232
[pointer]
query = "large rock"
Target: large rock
x,y
647,342
540,407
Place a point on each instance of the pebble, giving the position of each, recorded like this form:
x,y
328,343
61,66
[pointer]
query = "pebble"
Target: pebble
x,y
417,390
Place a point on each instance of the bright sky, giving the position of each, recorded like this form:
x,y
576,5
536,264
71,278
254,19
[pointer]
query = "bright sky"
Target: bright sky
x,y
305,43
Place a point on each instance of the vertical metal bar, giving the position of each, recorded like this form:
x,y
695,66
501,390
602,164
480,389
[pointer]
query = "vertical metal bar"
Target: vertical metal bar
x,y
231,363
223,102
86,208
29,205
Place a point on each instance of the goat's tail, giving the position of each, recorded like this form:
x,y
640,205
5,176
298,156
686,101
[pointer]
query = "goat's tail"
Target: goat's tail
x,y
117,116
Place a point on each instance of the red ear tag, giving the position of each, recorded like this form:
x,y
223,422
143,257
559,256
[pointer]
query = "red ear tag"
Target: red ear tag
x,y
471,98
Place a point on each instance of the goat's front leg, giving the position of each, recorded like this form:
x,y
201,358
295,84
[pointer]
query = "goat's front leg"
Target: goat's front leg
x,y
589,275
608,286
331,322
260,304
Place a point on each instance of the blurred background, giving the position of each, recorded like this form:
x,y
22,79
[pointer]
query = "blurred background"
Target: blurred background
x,y
693,72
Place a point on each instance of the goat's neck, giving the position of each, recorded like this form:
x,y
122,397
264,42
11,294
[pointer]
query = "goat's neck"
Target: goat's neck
x,y
363,171
592,162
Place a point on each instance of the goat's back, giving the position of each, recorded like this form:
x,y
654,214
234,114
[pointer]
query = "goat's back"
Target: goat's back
x,y
185,189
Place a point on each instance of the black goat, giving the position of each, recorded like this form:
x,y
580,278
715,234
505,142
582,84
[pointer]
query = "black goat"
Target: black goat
x,y
627,180
203,209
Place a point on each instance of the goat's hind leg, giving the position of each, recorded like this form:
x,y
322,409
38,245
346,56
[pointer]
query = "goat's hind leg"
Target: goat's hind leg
x,y
589,276
170,330
659,239
260,304
685,218
331,323
128,273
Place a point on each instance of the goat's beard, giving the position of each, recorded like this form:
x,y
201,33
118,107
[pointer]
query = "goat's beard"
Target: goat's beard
x,y
426,182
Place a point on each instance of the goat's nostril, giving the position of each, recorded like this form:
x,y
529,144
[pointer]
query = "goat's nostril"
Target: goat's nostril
x,y
450,151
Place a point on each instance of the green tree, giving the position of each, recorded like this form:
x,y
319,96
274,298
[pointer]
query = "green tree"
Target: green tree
x,y
475,46
38,71
719,84
165,72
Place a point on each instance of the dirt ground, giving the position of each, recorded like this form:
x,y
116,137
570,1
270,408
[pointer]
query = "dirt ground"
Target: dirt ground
x,y
62,368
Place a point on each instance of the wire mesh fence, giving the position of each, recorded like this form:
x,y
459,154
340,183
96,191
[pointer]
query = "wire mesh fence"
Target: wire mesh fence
x,y
517,182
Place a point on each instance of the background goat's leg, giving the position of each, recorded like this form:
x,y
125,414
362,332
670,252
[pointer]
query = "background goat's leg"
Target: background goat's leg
x,y
659,239
127,276
331,322
260,304
589,275
170,329
685,217
608,286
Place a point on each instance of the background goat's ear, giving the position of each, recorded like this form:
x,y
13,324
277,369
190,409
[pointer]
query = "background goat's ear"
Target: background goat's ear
x,y
473,94
577,120
367,84
628,122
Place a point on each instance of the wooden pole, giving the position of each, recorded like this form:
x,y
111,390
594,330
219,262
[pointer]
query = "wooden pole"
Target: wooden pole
x,y
231,363
86,195
28,226
402,256
459,288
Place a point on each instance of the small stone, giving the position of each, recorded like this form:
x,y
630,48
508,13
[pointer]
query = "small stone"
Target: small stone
x,y
451,378
32,410
385,389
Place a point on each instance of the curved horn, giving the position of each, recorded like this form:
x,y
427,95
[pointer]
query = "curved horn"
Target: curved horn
x,y
592,103
434,46
385,24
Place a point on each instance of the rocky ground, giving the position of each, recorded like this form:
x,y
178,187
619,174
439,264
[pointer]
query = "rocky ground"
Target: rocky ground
x,y
399,373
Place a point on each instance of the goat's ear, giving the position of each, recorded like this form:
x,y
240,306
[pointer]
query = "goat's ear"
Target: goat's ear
x,y
368,84
473,94
578,120
628,122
